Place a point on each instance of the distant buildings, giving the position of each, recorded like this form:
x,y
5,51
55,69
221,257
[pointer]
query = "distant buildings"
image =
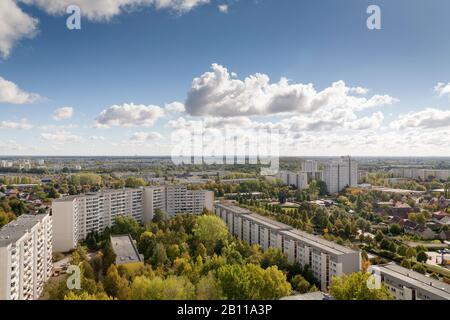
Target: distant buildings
x,y
74,217
25,257
297,179
422,174
405,284
326,259
301,179
341,173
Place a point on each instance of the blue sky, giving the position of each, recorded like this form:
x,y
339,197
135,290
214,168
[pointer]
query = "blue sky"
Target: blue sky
x,y
142,58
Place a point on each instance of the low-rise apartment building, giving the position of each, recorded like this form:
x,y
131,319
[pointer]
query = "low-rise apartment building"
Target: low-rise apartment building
x,y
405,284
25,257
325,258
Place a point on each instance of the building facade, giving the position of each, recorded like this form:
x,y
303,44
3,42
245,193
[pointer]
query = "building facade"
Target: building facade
x,y
74,217
297,179
326,259
25,257
405,284
341,173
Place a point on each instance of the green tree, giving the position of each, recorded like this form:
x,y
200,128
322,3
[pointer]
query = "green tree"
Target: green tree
x,y
209,230
109,257
418,267
422,257
300,284
274,257
208,288
159,257
354,287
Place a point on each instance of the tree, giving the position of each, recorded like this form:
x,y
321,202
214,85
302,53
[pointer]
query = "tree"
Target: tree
x,y
251,282
395,229
109,257
406,264
300,284
127,225
114,284
159,216
422,257
134,182
159,257
410,252
323,188
209,230
274,257
157,288
86,296
379,236
418,267
208,288
17,206
354,287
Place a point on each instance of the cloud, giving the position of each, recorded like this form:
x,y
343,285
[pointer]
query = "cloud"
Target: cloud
x,y
129,115
218,93
146,136
97,138
12,94
223,8
103,10
22,125
428,118
60,137
175,107
63,113
442,88
14,26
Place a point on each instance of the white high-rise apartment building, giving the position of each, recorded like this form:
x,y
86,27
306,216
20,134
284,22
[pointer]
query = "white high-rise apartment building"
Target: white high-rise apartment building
x,y
341,173
176,199
25,257
297,179
309,166
325,258
74,217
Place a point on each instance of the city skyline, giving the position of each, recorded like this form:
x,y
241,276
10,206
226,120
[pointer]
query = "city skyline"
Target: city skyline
x,y
313,71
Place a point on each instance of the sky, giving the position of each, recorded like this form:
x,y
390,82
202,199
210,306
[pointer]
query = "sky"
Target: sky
x,y
141,73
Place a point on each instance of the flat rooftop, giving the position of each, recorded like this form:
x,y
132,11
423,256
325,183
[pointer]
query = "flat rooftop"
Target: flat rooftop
x,y
273,224
416,279
93,194
125,250
16,229
318,242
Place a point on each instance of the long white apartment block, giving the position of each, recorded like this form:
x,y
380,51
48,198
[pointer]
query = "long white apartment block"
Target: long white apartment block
x,y
25,257
423,174
325,258
405,284
341,173
74,217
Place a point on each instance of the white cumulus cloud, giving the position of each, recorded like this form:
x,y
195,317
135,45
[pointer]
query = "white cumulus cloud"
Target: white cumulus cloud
x,y
129,115
429,118
442,88
99,10
61,137
223,8
63,113
146,136
14,26
12,94
218,93
22,125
